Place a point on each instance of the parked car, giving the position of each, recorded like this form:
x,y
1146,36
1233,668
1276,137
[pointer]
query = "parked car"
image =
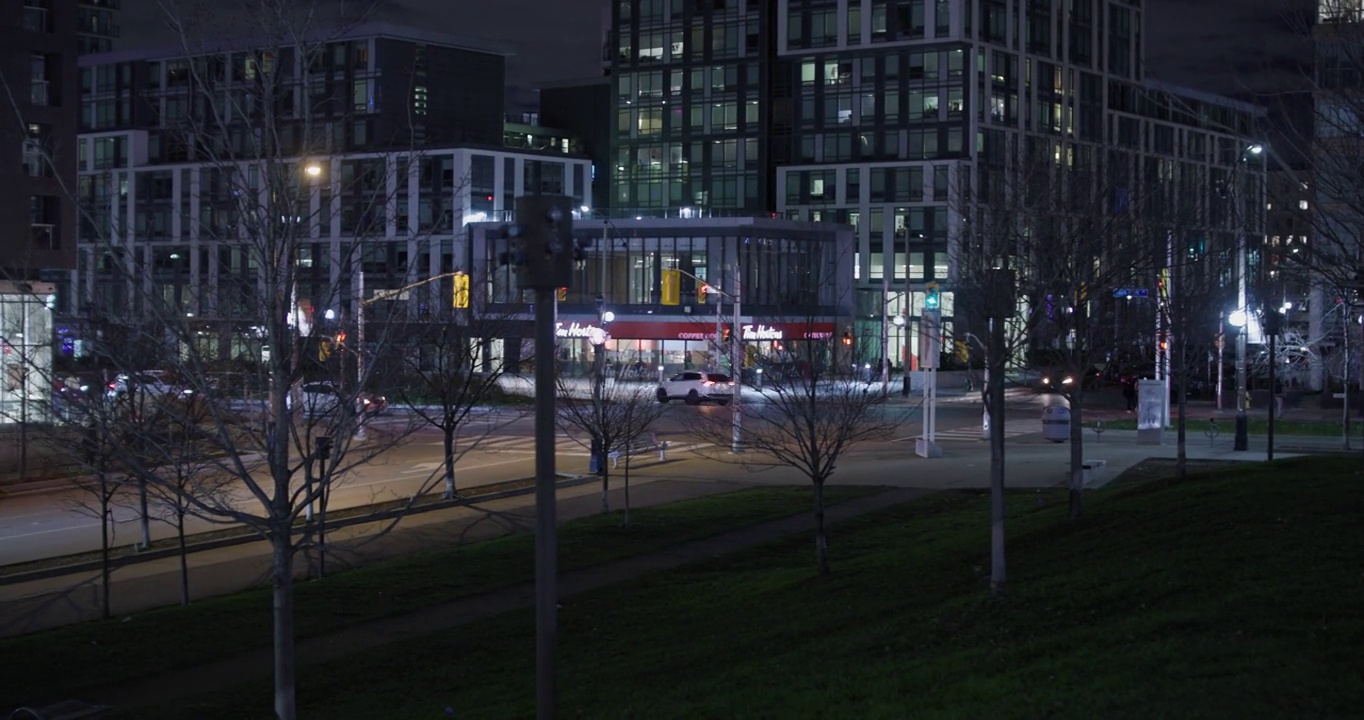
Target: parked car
x,y
695,387
323,398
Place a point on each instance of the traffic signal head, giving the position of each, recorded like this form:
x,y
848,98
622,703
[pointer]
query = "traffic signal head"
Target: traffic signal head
x,y
671,290
540,247
847,337
702,290
932,299
460,295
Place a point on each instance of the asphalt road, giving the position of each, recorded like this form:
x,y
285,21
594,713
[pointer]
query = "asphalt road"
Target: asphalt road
x,y
500,448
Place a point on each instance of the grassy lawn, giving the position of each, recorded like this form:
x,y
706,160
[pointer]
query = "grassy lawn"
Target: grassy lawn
x,y
1233,594
1257,425
56,662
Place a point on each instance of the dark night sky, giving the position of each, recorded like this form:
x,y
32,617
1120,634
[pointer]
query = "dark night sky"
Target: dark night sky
x,y
1226,46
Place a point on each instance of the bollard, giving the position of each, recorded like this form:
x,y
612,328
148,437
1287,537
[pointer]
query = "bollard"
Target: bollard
x,y
662,451
1099,431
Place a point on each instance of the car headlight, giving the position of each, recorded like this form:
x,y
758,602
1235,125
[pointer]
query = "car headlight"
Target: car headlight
x,y
1046,381
1068,381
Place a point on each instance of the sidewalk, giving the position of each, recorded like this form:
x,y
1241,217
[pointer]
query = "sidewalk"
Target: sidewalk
x,y
256,665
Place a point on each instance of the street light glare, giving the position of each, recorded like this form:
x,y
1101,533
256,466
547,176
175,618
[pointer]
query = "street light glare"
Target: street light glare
x,y
608,316
1256,149
1237,318
313,170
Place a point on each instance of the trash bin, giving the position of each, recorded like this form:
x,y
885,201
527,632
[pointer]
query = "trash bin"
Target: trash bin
x,y
1055,423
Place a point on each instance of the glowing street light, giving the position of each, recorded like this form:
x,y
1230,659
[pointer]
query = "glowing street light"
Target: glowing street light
x,y
312,169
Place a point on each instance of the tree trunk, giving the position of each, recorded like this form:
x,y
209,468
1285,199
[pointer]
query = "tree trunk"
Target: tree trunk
x,y
627,490
1077,456
450,460
821,539
184,556
1181,424
104,542
282,581
605,481
145,515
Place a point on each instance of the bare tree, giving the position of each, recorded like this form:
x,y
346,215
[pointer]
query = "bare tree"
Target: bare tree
x,y
185,468
1073,224
614,418
457,375
103,490
269,189
811,418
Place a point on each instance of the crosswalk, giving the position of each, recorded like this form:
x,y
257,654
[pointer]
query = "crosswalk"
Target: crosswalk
x,y
972,433
563,445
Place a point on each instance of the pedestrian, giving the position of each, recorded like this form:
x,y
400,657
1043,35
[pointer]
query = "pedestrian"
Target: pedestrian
x,y
1129,393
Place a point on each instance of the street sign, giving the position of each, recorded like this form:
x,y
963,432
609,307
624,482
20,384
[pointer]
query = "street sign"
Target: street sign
x,y
1131,293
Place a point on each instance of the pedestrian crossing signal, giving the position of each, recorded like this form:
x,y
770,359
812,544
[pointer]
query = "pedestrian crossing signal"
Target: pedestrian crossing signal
x,y
932,298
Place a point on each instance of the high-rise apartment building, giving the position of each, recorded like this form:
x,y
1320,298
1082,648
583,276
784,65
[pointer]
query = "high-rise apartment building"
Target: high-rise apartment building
x,y
98,25
38,136
403,137
907,119
691,106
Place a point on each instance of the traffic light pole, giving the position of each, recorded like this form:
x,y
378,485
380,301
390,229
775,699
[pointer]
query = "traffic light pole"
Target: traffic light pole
x,y
542,252
736,350
737,362
546,551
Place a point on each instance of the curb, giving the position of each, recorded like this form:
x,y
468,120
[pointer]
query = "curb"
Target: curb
x,y
565,481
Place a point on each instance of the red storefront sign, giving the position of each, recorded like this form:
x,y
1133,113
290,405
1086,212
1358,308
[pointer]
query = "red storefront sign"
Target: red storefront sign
x,y
699,330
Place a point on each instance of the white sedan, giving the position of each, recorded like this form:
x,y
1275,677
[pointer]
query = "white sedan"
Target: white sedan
x,y
695,387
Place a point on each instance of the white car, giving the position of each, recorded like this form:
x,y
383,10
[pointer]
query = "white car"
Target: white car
x,y
695,387
323,398
155,383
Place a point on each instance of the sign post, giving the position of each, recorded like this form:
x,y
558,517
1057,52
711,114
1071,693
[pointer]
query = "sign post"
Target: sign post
x,y
930,347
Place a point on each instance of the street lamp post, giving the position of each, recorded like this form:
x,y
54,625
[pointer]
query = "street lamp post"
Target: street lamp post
x,y
597,336
885,337
1241,322
899,322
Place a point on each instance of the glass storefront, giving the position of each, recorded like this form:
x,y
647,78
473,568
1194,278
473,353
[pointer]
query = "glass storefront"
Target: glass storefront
x,y
640,346
25,353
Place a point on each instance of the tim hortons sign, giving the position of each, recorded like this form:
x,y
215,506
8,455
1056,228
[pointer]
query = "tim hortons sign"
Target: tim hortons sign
x,y
573,330
761,332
